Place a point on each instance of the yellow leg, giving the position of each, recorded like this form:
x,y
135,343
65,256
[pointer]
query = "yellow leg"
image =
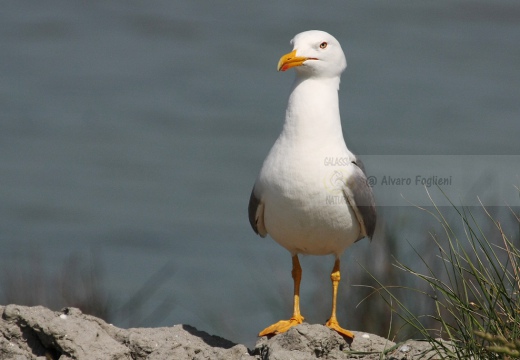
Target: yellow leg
x,y
284,325
333,321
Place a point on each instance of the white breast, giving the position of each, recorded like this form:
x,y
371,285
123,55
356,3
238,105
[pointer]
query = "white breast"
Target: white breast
x,y
304,208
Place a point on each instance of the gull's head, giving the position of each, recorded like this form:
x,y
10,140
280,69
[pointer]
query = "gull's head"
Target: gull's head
x,y
315,53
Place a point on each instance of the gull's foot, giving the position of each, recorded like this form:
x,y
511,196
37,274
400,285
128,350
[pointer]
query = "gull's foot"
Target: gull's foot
x,y
281,326
333,324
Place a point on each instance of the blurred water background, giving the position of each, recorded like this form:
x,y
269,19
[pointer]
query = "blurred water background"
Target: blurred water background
x,y
131,134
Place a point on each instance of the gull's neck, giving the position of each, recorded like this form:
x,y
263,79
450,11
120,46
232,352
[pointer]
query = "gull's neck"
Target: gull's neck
x,y
312,115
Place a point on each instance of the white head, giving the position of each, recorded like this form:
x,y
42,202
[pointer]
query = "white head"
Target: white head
x,y
315,54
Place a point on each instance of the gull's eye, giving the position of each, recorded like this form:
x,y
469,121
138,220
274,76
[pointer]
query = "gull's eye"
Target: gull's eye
x,y
323,45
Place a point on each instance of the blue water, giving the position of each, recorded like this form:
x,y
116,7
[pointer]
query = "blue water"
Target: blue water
x,y
134,131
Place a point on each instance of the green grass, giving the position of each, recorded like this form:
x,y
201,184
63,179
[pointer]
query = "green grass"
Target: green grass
x,y
472,288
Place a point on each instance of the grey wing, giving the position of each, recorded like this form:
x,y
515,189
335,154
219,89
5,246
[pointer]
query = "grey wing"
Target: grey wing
x,y
256,214
357,161
360,197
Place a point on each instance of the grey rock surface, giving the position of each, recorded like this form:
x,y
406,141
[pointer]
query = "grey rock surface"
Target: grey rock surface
x,y
39,333
42,334
319,342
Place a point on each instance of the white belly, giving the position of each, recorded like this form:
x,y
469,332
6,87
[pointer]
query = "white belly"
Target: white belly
x,y
303,212
314,230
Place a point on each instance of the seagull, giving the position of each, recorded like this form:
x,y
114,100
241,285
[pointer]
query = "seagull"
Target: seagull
x,y
312,196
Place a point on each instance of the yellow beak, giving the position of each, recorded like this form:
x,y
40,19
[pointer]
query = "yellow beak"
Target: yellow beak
x,y
290,60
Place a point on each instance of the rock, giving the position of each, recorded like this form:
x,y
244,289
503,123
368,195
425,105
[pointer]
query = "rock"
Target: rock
x,y
319,342
37,333
414,349
302,342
